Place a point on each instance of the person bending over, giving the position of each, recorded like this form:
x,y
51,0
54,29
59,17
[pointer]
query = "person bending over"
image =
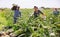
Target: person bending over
x,y
37,12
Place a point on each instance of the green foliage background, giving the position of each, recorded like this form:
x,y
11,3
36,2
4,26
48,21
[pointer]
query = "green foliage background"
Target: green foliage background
x,y
28,25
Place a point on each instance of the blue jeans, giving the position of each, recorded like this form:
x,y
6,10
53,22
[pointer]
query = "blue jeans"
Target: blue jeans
x,y
15,20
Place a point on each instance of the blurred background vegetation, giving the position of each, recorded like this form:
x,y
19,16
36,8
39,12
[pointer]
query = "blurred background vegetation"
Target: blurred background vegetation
x,y
27,26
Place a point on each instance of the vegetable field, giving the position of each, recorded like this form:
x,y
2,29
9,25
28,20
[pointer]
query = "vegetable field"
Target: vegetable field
x,y
27,26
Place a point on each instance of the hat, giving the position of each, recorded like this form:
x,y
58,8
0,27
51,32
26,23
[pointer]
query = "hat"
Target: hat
x,y
14,4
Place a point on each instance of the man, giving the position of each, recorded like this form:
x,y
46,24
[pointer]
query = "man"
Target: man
x,y
55,12
17,13
37,12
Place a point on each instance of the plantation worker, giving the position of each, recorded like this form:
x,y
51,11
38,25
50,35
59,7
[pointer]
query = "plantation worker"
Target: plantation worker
x,y
37,12
55,12
17,13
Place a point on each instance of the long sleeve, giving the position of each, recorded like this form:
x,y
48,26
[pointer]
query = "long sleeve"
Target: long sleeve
x,y
40,12
20,14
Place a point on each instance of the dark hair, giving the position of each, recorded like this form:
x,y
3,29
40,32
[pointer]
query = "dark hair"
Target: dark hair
x,y
14,8
35,7
55,8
